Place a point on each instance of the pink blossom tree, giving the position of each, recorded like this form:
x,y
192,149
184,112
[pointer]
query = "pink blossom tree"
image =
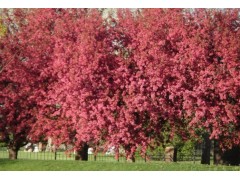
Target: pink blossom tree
x,y
71,110
208,69
17,107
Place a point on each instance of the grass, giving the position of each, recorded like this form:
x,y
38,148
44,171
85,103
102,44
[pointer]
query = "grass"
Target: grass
x,y
62,165
45,161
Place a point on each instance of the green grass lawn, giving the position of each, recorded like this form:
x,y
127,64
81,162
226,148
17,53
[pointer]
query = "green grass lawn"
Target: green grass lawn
x,y
62,165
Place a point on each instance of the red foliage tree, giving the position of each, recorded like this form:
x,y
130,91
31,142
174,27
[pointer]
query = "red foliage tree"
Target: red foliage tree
x,y
70,112
144,108
16,83
25,75
184,71
211,74
212,67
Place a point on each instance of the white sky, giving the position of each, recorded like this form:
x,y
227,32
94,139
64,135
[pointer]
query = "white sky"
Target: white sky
x,y
119,3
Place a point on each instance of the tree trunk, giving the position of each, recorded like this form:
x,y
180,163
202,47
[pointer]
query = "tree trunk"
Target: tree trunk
x,y
130,158
232,156
82,154
170,154
218,154
228,157
206,150
40,146
175,155
13,153
117,154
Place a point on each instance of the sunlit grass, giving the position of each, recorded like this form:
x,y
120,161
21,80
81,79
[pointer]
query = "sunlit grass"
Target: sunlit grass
x,y
61,165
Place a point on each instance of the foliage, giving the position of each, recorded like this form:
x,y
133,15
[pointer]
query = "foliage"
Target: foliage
x,y
2,144
136,81
210,74
3,29
16,104
186,149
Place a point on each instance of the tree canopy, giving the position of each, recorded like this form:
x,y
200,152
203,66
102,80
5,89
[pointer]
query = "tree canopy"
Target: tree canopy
x,y
71,75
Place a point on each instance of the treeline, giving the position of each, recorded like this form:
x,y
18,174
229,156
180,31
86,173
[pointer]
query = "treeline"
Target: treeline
x,y
133,80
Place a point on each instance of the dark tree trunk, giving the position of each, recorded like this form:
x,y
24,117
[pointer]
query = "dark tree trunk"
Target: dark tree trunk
x,y
232,156
228,157
218,154
82,154
13,153
175,155
206,150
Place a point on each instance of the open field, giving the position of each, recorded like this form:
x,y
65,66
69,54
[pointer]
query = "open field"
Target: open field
x,y
49,165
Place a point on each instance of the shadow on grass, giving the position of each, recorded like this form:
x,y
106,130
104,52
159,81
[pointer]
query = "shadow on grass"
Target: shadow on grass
x,y
8,162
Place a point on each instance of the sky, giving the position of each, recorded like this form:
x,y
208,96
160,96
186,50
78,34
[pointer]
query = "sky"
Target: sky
x,y
119,3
